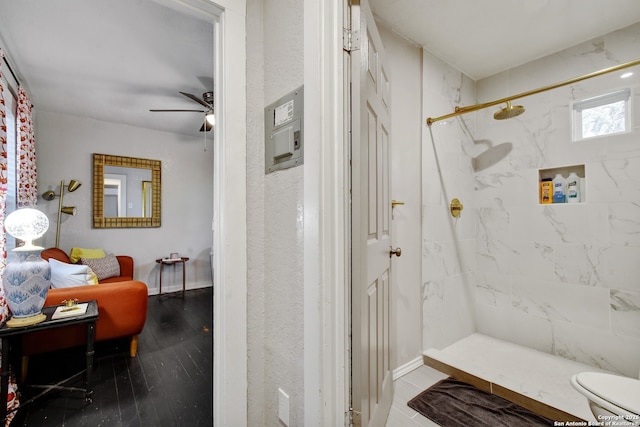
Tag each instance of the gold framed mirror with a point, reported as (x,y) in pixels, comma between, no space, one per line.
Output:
(126,192)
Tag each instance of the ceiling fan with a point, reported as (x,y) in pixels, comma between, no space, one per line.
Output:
(207,102)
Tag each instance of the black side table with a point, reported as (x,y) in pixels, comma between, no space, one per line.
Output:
(7,335)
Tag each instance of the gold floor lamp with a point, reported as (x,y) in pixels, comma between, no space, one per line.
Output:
(69,210)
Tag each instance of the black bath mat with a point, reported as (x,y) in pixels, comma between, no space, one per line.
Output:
(453,403)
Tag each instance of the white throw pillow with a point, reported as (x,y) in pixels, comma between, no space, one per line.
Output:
(65,275)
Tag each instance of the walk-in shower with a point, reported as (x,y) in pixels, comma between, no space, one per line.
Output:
(557,281)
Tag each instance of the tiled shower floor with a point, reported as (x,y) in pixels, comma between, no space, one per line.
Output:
(535,374)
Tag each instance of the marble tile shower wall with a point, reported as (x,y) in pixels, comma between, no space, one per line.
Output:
(448,246)
(564,279)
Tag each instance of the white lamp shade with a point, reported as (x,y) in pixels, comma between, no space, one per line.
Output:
(211,119)
(26,224)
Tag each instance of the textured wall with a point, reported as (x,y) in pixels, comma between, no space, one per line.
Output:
(65,145)
(275,216)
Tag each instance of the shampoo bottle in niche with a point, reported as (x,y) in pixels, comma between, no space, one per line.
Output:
(546,191)
(559,188)
(573,188)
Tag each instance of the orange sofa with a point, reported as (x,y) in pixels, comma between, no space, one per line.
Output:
(126,264)
(122,310)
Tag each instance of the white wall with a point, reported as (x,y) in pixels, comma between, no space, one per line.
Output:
(405,73)
(275,219)
(64,146)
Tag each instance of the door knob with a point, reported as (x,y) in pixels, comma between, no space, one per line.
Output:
(396,252)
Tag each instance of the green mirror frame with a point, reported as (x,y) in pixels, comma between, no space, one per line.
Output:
(99,220)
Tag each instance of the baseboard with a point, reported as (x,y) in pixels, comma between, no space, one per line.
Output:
(510,395)
(178,288)
(403,370)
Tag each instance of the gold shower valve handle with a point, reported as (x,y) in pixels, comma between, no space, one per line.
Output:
(456,208)
(395,203)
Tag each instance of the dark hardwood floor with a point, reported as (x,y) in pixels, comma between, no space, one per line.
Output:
(169,383)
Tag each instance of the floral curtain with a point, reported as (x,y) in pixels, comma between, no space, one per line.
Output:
(12,399)
(3,188)
(26,153)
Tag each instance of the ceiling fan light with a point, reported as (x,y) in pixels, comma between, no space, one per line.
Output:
(211,119)
(206,127)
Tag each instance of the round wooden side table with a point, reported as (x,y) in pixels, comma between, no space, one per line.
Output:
(173,261)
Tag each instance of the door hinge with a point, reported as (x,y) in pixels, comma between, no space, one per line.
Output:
(354,418)
(350,40)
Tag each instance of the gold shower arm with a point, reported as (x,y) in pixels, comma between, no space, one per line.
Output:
(463,110)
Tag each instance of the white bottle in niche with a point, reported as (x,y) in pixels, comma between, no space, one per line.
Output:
(573,188)
(559,189)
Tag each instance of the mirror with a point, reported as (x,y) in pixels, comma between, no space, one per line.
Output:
(126,192)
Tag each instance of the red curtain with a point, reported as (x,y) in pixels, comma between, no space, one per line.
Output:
(4,310)
(26,153)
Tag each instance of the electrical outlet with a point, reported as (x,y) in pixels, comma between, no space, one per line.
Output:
(283,407)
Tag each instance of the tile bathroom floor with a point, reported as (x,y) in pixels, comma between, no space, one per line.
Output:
(406,388)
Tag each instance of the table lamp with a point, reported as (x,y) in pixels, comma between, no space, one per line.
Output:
(27,277)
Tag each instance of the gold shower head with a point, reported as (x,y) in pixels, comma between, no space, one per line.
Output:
(508,112)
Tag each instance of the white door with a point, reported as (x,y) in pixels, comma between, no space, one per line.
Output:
(372,379)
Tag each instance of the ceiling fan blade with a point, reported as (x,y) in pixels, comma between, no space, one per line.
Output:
(195,98)
(173,111)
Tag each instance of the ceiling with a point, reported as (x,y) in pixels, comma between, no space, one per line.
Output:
(113,60)
(485,37)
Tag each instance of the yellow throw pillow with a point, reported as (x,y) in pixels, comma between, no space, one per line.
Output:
(77,253)
(93,277)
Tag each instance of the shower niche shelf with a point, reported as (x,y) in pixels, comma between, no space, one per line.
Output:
(565,171)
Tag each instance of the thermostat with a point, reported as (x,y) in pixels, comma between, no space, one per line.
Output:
(284,131)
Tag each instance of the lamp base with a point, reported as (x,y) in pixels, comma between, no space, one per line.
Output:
(25,282)
(16,322)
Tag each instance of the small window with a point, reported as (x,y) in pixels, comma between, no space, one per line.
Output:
(602,115)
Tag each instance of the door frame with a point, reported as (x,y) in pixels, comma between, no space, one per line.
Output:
(229,222)
(229,215)
(326,216)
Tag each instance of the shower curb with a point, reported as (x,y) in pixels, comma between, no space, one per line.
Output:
(510,395)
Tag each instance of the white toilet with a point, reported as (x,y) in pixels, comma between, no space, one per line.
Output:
(611,397)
